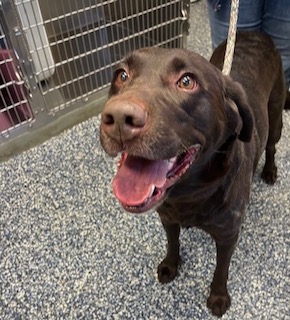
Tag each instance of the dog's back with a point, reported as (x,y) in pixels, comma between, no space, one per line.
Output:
(257,66)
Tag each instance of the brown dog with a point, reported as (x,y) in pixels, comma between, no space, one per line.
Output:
(190,140)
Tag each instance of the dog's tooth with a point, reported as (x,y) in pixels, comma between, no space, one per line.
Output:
(171,163)
(152,191)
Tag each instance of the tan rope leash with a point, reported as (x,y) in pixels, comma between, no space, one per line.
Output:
(228,60)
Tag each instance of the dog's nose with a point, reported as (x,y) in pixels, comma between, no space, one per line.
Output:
(123,120)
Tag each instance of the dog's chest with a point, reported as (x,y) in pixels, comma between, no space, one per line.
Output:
(188,213)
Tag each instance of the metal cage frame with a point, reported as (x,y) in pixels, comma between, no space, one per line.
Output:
(57,56)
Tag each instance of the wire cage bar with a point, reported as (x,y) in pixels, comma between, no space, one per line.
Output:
(61,52)
(14,105)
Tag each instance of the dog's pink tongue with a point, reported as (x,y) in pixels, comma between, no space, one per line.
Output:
(136,178)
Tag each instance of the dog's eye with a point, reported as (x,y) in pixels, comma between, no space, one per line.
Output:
(122,77)
(187,82)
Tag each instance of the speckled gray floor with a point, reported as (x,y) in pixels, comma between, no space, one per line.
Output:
(67,251)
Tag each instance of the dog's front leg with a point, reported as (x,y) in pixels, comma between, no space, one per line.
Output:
(167,269)
(219,300)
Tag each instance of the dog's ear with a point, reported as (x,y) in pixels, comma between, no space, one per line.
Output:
(234,92)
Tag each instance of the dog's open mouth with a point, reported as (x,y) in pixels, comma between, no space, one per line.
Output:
(140,184)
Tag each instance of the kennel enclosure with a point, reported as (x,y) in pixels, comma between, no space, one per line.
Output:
(57,57)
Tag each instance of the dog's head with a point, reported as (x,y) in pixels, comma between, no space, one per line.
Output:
(168,109)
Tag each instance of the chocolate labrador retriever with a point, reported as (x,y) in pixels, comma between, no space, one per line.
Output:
(190,139)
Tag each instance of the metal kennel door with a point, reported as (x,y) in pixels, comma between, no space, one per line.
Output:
(56,56)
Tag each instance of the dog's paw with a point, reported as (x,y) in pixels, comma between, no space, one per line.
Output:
(218,304)
(166,271)
(269,176)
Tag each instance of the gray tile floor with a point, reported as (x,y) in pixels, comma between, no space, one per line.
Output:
(67,251)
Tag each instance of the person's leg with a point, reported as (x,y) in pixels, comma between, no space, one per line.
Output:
(249,18)
(276,23)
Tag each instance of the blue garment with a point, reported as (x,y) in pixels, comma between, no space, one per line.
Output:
(269,16)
